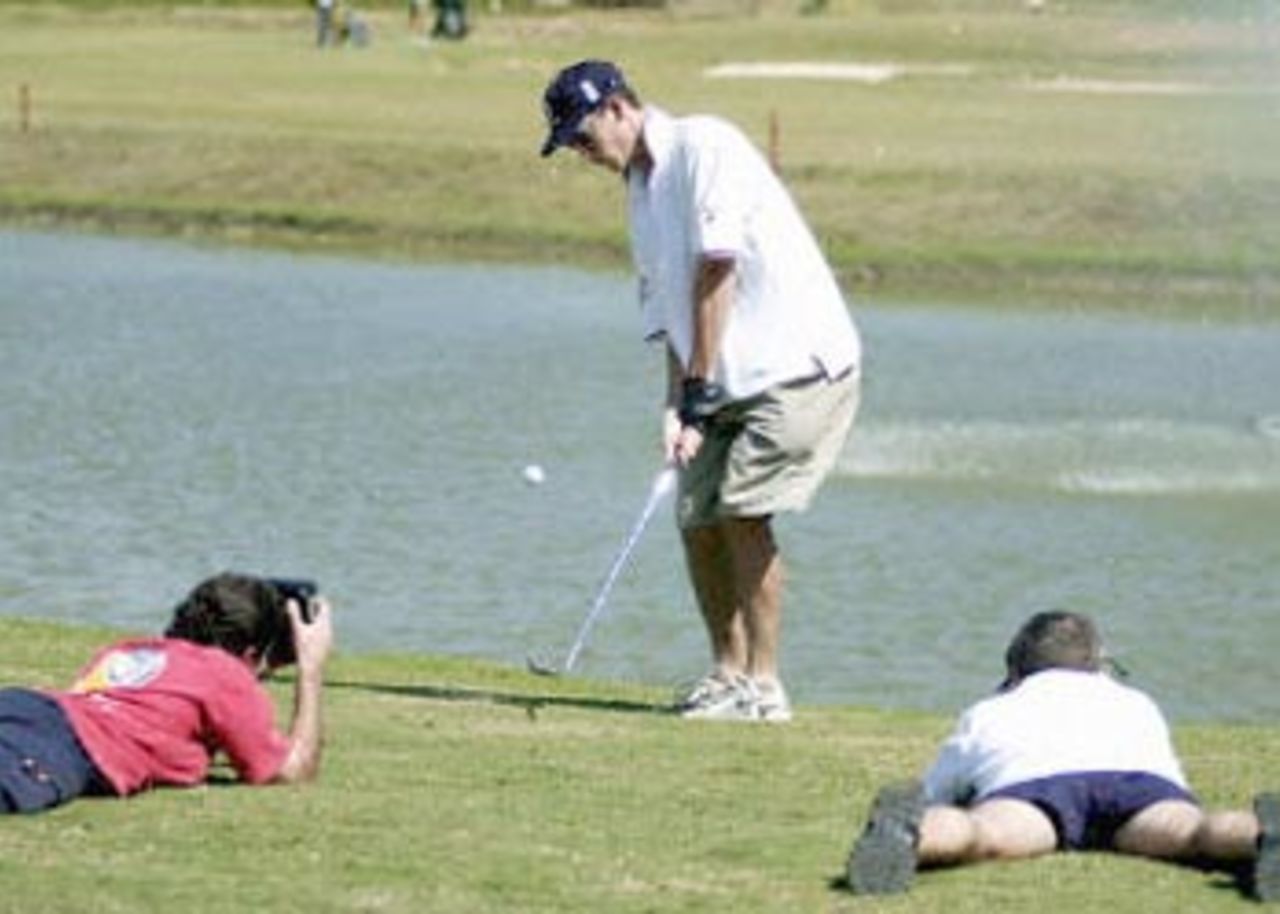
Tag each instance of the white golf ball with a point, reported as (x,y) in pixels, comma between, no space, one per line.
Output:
(534,475)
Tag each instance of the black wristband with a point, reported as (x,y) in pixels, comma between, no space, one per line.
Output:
(699,400)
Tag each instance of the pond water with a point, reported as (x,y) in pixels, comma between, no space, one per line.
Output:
(169,411)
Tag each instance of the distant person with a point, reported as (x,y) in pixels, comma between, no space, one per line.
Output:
(451,20)
(1062,758)
(353,30)
(417,17)
(324,23)
(148,712)
(762,356)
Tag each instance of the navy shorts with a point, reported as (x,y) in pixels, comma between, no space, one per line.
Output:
(1088,809)
(42,763)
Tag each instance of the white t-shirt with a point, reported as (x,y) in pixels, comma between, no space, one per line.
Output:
(711,193)
(1053,722)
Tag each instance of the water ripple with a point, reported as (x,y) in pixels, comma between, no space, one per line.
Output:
(1133,456)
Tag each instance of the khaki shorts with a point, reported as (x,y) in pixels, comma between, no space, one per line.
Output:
(769,453)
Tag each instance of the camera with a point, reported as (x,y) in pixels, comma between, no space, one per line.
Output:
(299,589)
(281,651)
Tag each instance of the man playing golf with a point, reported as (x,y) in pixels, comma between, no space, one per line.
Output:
(763,357)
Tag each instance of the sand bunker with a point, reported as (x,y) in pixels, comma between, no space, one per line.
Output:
(879,73)
(1117,87)
(869,73)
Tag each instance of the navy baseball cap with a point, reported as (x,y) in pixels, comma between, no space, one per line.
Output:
(577,91)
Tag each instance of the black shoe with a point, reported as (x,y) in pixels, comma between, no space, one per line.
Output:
(1266,869)
(883,859)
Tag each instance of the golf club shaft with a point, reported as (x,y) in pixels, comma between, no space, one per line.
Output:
(661,486)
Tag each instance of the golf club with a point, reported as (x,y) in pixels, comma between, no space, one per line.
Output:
(662,484)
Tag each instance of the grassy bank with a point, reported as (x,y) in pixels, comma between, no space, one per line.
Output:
(1095,155)
(453,786)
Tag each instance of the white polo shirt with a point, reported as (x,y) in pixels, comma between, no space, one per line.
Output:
(1053,722)
(711,194)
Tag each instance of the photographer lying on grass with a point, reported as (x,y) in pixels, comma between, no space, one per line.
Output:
(147,712)
(1063,757)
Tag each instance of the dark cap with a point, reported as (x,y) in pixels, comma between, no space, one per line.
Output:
(577,91)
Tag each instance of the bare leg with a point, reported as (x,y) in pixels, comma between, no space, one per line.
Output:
(1000,829)
(711,572)
(1177,830)
(757,583)
(903,836)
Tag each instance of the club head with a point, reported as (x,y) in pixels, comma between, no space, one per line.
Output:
(540,667)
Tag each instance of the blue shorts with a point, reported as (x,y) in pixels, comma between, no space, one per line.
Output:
(1088,809)
(42,763)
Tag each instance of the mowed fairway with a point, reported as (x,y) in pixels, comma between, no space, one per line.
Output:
(457,787)
(1092,155)
(1148,181)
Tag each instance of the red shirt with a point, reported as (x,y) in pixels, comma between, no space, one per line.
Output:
(154,711)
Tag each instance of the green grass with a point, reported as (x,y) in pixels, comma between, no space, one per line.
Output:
(455,786)
(224,123)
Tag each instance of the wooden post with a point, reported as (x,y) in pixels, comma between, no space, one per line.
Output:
(775,156)
(24,108)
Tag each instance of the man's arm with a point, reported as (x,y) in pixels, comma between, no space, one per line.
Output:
(313,641)
(671,409)
(712,301)
(713,289)
(950,779)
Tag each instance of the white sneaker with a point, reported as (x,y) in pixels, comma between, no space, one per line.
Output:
(705,689)
(716,698)
(771,703)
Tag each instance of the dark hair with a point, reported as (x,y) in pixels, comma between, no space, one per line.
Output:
(626,92)
(234,612)
(1054,640)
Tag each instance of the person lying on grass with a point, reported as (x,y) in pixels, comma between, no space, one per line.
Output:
(147,712)
(1063,757)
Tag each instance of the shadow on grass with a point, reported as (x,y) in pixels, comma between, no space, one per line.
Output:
(530,703)
(1235,880)
(1239,883)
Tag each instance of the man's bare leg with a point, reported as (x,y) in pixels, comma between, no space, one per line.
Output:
(712,575)
(1001,829)
(902,836)
(1179,830)
(757,583)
